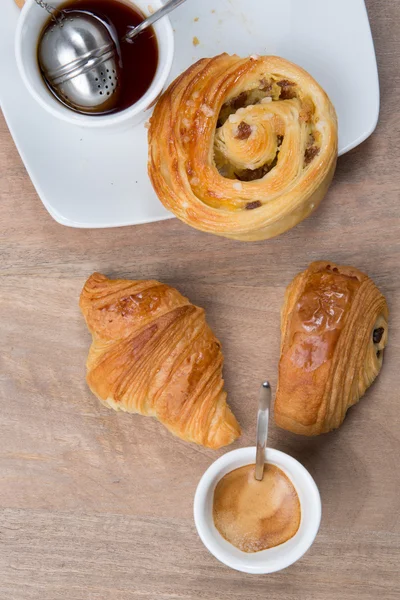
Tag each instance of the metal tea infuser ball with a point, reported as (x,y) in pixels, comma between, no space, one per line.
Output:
(79,56)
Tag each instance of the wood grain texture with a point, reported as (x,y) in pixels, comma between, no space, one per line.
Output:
(97,505)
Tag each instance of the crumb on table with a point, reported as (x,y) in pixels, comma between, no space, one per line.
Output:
(196,41)
(196,19)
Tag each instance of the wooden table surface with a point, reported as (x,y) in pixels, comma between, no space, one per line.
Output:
(96,505)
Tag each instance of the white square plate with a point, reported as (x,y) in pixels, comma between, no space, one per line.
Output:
(89,178)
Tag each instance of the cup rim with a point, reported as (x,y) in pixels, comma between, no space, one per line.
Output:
(235,558)
(163,30)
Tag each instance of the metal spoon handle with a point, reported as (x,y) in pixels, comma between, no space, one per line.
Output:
(161,12)
(264,404)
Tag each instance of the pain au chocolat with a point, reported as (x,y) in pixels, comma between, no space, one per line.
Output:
(153,353)
(243,147)
(334,329)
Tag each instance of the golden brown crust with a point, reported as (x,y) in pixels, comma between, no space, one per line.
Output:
(243,147)
(334,329)
(154,354)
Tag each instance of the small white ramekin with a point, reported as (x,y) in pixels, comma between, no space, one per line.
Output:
(30,25)
(273,559)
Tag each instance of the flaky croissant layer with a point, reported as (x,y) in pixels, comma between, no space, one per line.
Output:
(243,147)
(153,353)
(334,330)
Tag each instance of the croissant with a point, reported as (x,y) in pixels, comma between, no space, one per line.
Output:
(242,147)
(153,353)
(334,329)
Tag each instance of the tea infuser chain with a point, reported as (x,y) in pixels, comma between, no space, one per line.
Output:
(57,15)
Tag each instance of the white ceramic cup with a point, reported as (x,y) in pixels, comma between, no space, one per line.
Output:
(273,559)
(30,25)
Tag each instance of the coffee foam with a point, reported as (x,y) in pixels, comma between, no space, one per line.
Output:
(256,515)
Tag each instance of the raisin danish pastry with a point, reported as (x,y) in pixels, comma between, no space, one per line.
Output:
(243,147)
(334,329)
(154,354)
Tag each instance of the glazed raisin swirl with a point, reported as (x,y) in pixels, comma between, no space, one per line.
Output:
(244,148)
